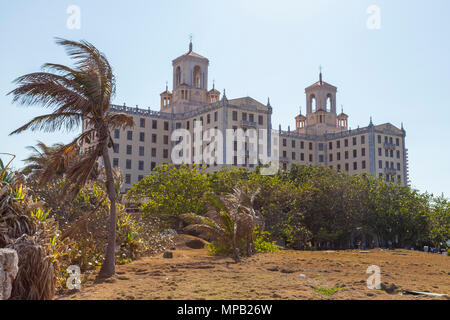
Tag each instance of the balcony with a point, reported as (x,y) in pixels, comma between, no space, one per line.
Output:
(248,124)
(391,171)
(389,146)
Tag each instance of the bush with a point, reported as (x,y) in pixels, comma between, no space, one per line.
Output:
(262,243)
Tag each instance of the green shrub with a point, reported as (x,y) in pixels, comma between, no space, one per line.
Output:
(262,243)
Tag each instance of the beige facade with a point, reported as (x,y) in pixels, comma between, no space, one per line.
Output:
(321,137)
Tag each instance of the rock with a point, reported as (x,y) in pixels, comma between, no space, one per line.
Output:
(9,267)
(195,244)
(168,255)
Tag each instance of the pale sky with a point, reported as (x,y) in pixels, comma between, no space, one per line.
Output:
(260,48)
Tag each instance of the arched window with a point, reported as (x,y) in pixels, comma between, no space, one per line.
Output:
(197,77)
(313,102)
(178,76)
(329,102)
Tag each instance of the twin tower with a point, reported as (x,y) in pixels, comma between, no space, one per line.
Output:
(190,92)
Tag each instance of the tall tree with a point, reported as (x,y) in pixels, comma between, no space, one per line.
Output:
(81,93)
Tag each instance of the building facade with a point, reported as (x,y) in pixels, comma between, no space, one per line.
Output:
(321,136)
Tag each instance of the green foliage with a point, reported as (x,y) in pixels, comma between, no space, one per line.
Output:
(171,191)
(327,291)
(262,242)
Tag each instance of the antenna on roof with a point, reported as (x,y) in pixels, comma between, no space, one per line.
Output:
(190,42)
(320,74)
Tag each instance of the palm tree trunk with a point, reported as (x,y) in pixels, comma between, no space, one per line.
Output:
(108,268)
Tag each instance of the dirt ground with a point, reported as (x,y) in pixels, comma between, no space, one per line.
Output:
(294,275)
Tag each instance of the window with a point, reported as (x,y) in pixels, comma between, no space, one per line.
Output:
(115,162)
(363,152)
(152,166)
(302,145)
(346,142)
(321,158)
(142,136)
(398,154)
(208,119)
(260,120)
(398,166)
(346,154)
(128,164)
(284,154)
(380,164)
(293,155)
(391,153)
(166,139)
(379,139)
(338,155)
(293,143)
(354,141)
(355,153)
(364,164)
(386,153)
(330,146)
(129,135)
(141,165)
(116,134)
(187,125)
(331,157)
(355,165)
(129,149)
(363,139)
(153,152)
(166,125)
(140,178)
(251,117)
(141,151)
(379,152)
(346,167)
(154,124)
(116,148)
(310,158)
(165,153)
(128,178)
(235,115)
(142,122)
(338,167)
(178,125)
(310,146)
(338,144)
(397,142)
(153,138)
(284,142)
(216,116)
(244,116)
(302,156)
(320,146)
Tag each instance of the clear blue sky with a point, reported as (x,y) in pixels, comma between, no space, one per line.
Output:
(399,73)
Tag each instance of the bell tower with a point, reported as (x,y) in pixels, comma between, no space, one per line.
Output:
(321,116)
(190,81)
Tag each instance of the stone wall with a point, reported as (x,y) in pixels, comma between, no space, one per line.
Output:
(9,262)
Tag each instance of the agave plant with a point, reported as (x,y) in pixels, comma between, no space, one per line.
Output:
(5,174)
(229,219)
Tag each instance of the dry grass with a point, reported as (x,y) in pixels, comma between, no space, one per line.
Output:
(193,274)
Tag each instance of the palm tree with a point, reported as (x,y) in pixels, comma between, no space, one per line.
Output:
(38,163)
(81,93)
(229,219)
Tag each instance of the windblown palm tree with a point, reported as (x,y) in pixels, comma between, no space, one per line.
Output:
(43,164)
(229,219)
(83,92)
